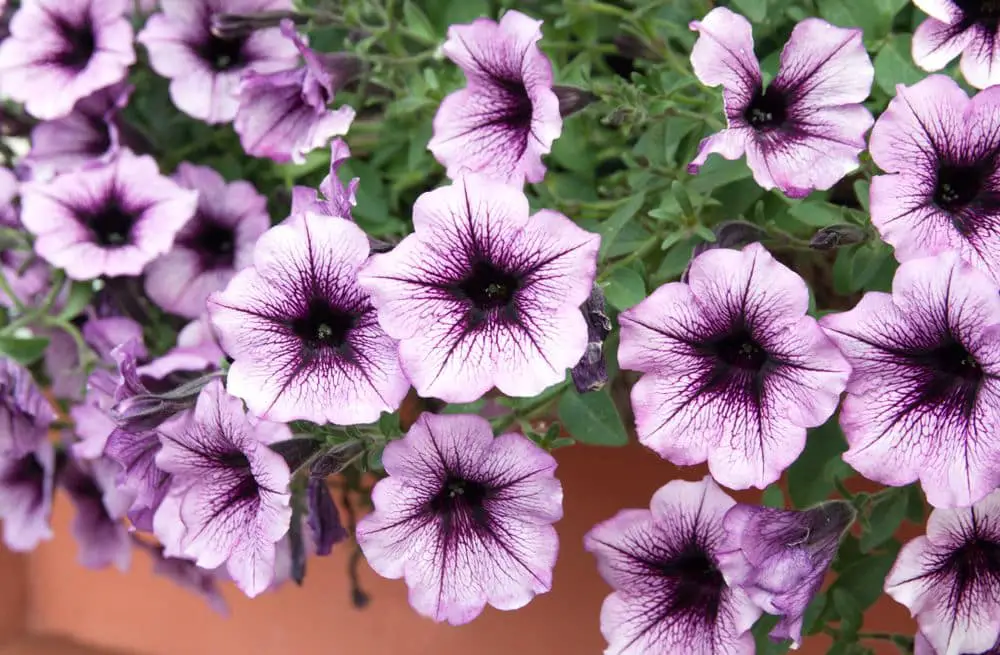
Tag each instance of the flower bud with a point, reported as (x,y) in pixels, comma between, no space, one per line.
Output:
(591,373)
(572,99)
(837,236)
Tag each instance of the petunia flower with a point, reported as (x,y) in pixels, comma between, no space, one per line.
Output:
(61,51)
(663,563)
(507,116)
(92,420)
(26,483)
(204,70)
(25,413)
(185,573)
(303,333)
(941,151)
(465,518)
(970,28)
(209,249)
(284,115)
(111,220)
(948,578)
(333,199)
(484,295)
(100,534)
(780,557)
(923,400)
(735,369)
(923,647)
(229,499)
(805,130)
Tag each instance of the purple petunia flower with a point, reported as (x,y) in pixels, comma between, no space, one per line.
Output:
(61,51)
(92,420)
(333,199)
(112,220)
(26,483)
(25,413)
(204,70)
(229,499)
(507,116)
(197,351)
(942,152)
(29,278)
(779,557)
(663,563)
(284,115)
(735,368)
(186,574)
(101,535)
(482,295)
(302,331)
(923,647)
(923,400)
(967,27)
(949,578)
(106,334)
(209,249)
(807,128)
(465,518)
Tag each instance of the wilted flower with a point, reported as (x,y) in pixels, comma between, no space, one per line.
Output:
(591,372)
(940,150)
(302,331)
(966,27)
(923,400)
(26,496)
(61,51)
(837,236)
(333,199)
(100,505)
(324,519)
(25,413)
(465,518)
(484,295)
(204,70)
(507,116)
(736,370)
(663,563)
(187,574)
(228,500)
(111,220)
(807,128)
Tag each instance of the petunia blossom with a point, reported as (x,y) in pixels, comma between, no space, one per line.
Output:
(205,70)
(464,517)
(302,331)
(949,577)
(805,130)
(970,28)
(25,413)
(112,220)
(663,563)
(334,198)
(484,295)
(941,152)
(101,536)
(507,116)
(923,400)
(186,574)
(229,498)
(210,248)
(61,51)
(26,482)
(735,369)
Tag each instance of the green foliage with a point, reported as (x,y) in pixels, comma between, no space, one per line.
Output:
(592,418)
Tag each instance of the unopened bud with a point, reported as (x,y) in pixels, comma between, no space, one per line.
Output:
(591,373)
(837,236)
(335,459)
(324,519)
(240,26)
(572,99)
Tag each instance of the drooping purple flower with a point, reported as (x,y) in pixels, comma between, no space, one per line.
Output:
(197,351)
(204,70)
(26,496)
(465,518)
(970,28)
(92,420)
(106,334)
(735,369)
(484,295)
(185,573)
(229,499)
(923,400)
(28,277)
(60,52)
(663,563)
(324,519)
(111,220)
(807,128)
(949,578)
(941,151)
(209,249)
(779,557)
(507,116)
(25,413)
(100,534)
(303,332)
(333,199)
(284,115)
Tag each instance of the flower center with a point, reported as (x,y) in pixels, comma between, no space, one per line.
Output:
(980,11)
(223,54)
(518,103)
(215,243)
(80,44)
(957,363)
(767,109)
(460,498)
(323,326)
(975,565)
(957,186)
(112,225)
(26,471)
(698,583)
(489,287)
(739,350)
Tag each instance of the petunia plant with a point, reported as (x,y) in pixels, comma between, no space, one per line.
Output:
(280,278)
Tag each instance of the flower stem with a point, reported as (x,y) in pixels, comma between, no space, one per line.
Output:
(640,252)
(9,291)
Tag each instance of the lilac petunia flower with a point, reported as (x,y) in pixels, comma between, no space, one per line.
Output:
(942,152)
(465,518)
(923,647)
(25,413)
(482,295)
(923,400)
(780,557)
(807,128)
(197,352)
(185,573)
(204,70)
(10,187)
(92,420)
(61,51)
(663,563)
(112,220)
(507,116)
(29,278)
(333,199)
(967,27)
(229,499)
(26,496)
(736,371)
(100,505)
(284,115)
(215,244)
(106,334)
(302,331)
(948,579)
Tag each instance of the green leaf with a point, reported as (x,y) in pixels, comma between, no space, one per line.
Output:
(915,506)
(864,578)
(890,8)
(862,189)
(856,13)
(592,418)
(760,632)
(717,172)
(806,483)
(894,64)
(79,297)
(24,351)
(773,497)
(465,11)
(755,10)
(850,613)
(388,425)
(887,511)
(417,20)
(610,228)
(865,264)
(625,289)
(810,623)
(464,408)
(817,214)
